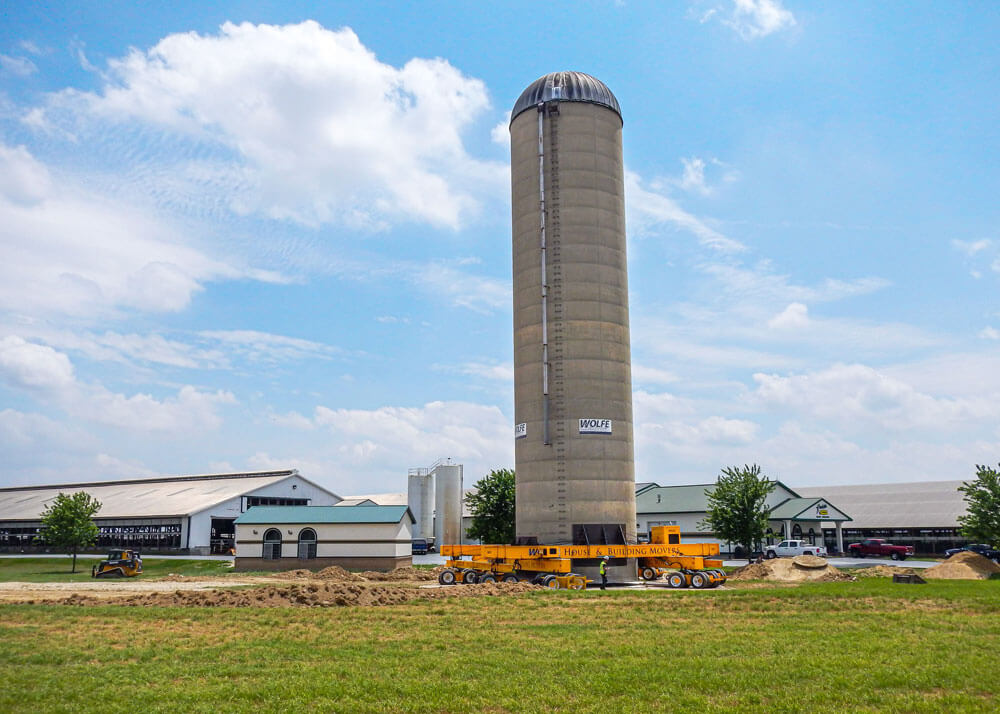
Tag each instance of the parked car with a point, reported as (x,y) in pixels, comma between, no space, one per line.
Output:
(981,548)
(791,548)
(877,546)
(420,547)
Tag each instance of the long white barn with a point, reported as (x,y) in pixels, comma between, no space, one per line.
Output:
(170,514)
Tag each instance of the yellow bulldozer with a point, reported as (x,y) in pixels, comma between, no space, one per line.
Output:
(119,564)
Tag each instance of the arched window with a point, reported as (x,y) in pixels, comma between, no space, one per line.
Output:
(307,544)
(272,544)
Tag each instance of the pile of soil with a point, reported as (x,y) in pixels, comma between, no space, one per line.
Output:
(965,565)
(315,594)
(799,569)
(339,575)
(884,571)
(400,574)
(333,574)
(810,561)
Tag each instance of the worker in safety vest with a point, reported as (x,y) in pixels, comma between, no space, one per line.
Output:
(604,571)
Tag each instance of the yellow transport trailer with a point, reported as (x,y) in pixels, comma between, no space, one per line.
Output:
(681,564)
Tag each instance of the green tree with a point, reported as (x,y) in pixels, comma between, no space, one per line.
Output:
(67,522)
(981,523)
(736,510)
(492,506)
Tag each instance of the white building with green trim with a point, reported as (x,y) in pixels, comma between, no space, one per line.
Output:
(814,519)
(359,537)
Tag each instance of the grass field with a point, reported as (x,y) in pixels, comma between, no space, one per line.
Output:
(57,570)
(864,646)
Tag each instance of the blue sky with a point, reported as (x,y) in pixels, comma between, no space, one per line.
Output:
(272,235)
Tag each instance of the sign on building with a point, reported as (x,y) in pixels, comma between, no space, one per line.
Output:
(595,426)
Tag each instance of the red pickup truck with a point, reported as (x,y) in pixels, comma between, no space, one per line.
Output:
(877,546)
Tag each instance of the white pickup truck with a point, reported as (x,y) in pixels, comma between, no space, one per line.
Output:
(789,548)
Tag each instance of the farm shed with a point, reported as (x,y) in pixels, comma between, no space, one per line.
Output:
(166,514)
(358,537)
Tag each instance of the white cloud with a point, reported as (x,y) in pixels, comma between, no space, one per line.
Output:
(69,250)
(642,374)
(793,317)
(971,248)
(497,372)
(758,18)
(694,176)
(323,131)
(761,282)
(649,208)
(856,396)
(49,376)
(23,179)
(989,333)
(127,348)
(371,449)
(34,368)
(114,467)
(500,134)
(266,347)
(189,411)
(475,292)
(18,66)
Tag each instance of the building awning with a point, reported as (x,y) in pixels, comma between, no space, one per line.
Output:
(807,509)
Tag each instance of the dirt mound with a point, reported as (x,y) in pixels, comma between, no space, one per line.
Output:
(783,570)
(809,561)
(300,574)
(337,574)
(965,565)
(400,574)
(883,571)
(314,594)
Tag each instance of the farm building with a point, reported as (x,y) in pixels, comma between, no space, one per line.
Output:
(922,514)
(814,519)
(170,514)
(359,537)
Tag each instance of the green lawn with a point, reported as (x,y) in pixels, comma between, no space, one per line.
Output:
(858,646)
(57,570)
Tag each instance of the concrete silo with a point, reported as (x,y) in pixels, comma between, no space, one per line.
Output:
(572,361)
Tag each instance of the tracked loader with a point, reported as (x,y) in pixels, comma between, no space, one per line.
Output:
(119,564)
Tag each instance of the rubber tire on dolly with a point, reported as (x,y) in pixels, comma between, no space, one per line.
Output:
(549,581)
(699,581)
(487,578)
(510,578)
(447,577)
(677,580)
(580,584)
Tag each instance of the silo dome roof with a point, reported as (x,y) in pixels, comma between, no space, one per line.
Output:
(566,87)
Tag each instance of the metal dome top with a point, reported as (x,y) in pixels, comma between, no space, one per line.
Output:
(566,87)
